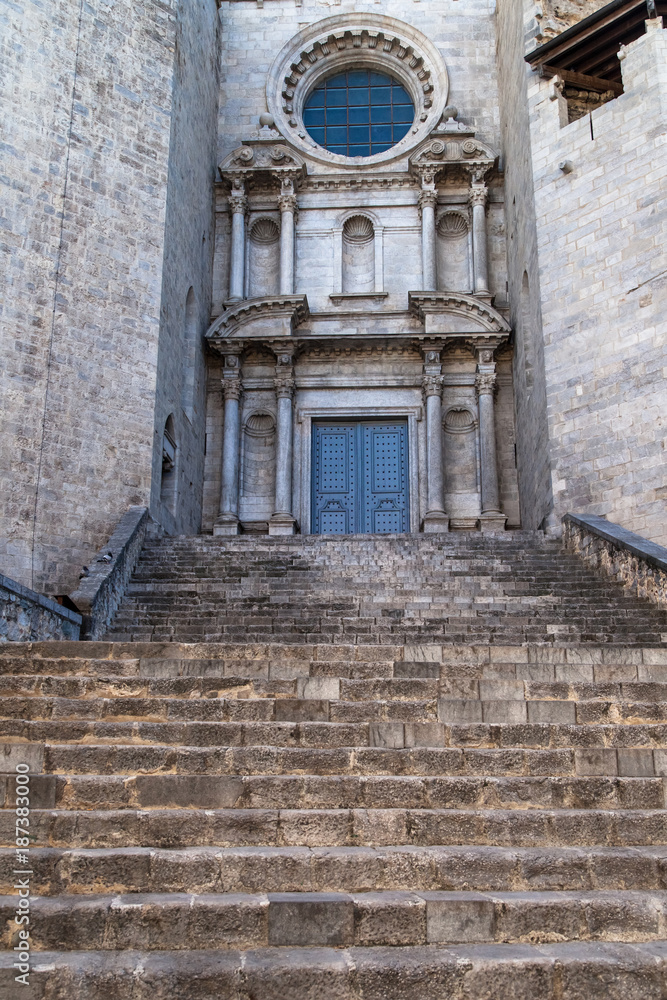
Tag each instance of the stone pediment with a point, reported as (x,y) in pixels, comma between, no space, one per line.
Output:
(271,317)
(456,313)
(450,149)
(269,153)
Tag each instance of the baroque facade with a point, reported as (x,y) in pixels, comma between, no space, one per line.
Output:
(313,266)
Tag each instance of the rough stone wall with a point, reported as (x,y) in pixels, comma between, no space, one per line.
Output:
(188,254)
(86,96)
(602,237)
(517,29)
(554,16)
(29,617)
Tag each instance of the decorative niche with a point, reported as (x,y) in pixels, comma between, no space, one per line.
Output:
(263,258)
(258,468)
(461,462)
(453,252)
(358,271)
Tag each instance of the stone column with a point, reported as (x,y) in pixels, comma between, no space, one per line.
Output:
(238,205)
(435,518)
(227,521)
(428,199)
(492,518)
(288,207)
(282,521)
(478,195)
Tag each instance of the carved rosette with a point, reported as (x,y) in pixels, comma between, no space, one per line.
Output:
(485,383)
(432,385)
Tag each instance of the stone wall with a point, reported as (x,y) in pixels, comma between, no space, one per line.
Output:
(86,99)
(602,249)
(517,30)
(26,616)
(624,556)
(187,266)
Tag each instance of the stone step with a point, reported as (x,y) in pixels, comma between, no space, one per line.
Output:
(338,869)
(133,758)
(391,734)
(182,921)
(595,970)
(303,792)
(177,828)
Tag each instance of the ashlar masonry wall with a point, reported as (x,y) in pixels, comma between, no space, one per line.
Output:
(87,99)
(602,250)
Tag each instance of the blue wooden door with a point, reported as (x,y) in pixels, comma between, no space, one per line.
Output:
(360,477)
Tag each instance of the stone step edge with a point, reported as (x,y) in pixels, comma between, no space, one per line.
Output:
(574,653)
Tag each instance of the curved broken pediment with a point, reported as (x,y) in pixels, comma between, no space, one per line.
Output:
(266,154)
(273,316)
(456,313)
(438,152)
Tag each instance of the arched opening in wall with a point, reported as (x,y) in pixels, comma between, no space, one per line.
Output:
(264,258)
(460,462)
(358,255)
(189,354)
(453,257)
(169,480)
(258,475)
(527,334)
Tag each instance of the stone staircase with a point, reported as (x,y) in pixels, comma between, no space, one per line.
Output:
(515,587)
(354,815)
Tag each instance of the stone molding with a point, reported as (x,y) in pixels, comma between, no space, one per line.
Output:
(273,316)
(357,39)
(622,555)
(456,313)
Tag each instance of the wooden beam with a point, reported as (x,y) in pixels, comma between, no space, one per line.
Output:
(581,80)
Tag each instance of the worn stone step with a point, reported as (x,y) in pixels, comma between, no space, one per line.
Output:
(230,791)
(391,734)
(175,828)
(333,869)
(131,758)
(182,921)
(596,971)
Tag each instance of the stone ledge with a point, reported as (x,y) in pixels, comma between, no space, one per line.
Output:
(618,553)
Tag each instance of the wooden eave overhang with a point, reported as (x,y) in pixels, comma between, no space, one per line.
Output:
(586,55)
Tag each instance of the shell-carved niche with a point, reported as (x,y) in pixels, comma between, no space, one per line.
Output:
(453,252)
(259,465)
(460,461)
(358,255)
(264,258)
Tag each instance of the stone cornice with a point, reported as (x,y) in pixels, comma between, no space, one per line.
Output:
(455,313)
(273,316)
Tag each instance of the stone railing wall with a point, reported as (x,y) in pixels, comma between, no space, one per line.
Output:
(26,616)
(99,594)
(622,555)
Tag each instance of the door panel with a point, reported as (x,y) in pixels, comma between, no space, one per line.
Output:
(360,477)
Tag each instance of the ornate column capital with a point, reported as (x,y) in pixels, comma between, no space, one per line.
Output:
(432,385)
(287,200)
(427,198)
(478,194)
(232,386)
(283,379)
(238,203)
(485,383)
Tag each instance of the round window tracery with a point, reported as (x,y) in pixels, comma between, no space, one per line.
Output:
(358,113)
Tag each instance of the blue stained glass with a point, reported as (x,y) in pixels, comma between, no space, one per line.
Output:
(359,116)
(313,116)
(338,112)
(335,116)
(381,115)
